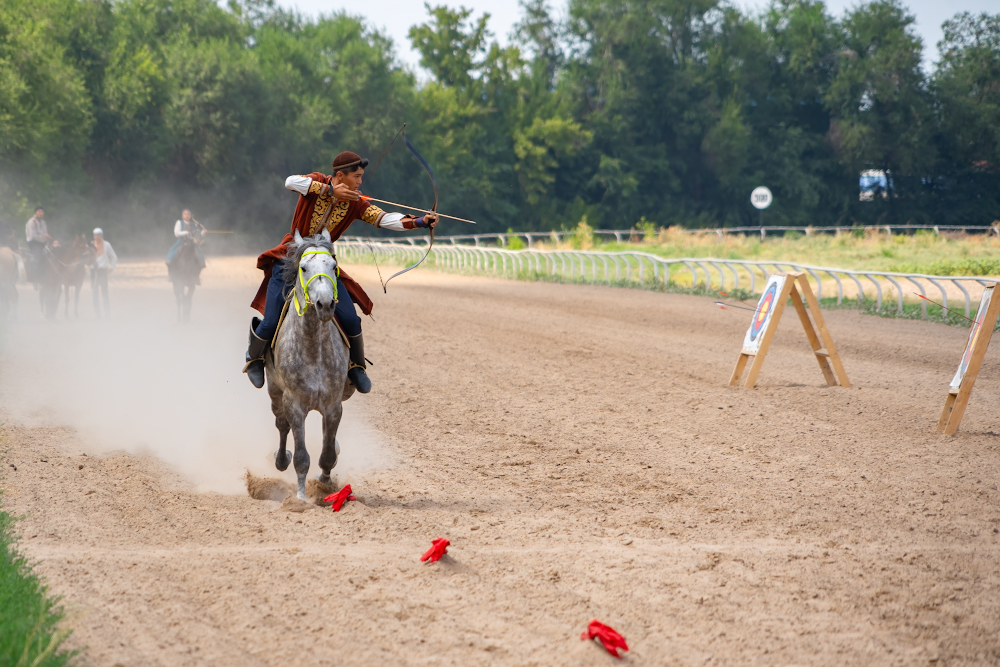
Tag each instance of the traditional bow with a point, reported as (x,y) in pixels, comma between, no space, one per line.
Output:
(430,173)
(430,230)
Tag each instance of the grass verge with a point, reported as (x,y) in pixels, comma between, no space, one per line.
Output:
(30,635)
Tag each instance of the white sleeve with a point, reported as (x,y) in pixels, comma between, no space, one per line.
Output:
(112,256)
(393,221)
(179,230)
(31,230)
(298,184)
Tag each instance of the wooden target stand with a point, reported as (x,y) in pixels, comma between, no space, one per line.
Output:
(972,359)
(758,338)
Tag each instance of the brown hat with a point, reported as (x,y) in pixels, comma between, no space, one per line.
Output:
(346,160)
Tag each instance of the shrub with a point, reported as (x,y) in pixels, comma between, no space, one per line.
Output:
(583,237)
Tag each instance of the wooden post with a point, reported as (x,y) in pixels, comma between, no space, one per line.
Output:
(975,349)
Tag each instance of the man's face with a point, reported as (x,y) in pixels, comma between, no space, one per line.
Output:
(98,238)
(40,214)
(186,215)
(353,179)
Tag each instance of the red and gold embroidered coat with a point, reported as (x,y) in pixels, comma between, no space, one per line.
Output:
(309,213)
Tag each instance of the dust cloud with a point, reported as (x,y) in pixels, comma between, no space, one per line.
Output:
(145,384)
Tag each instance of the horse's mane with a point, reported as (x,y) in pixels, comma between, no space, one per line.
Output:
(293,257)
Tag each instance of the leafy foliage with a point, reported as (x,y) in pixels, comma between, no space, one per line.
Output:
(124,111)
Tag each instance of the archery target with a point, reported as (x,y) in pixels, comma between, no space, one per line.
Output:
(762,315)
(970,346)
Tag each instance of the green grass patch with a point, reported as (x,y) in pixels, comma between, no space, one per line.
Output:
(861,249)
(30,635)
(969,266)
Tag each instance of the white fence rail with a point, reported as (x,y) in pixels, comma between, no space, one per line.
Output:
(620,235)
(645,269)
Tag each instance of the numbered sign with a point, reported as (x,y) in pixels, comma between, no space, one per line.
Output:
(761,198)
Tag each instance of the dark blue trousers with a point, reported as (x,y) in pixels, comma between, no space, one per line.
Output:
(276,294)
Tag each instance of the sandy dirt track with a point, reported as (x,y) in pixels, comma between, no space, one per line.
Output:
(580,449)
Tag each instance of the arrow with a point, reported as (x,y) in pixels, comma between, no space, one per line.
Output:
(414,208)
(945,307)
(729,305)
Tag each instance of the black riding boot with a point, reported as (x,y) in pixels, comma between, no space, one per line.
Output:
(255,356)
(356,374)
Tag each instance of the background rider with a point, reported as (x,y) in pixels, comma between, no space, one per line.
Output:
(187,227)
(38,236)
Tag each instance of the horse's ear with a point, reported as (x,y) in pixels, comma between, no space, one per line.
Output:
(326,236)
(298,237)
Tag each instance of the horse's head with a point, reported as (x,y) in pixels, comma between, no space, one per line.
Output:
(82,245)
(314,273)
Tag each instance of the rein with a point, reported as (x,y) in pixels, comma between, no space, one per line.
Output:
(301,310)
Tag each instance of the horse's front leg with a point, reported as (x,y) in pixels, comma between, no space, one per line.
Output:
(281,457)
(331,449)
(297,422)
(76,301)
(66,298)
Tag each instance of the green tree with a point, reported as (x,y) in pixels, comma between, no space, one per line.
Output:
(45,110)
(882,116)
(967,88)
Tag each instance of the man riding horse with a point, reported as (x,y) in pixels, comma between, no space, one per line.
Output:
(331,203)
(187,228)
(38,237)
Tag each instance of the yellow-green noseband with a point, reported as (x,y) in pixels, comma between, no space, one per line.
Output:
(301,310)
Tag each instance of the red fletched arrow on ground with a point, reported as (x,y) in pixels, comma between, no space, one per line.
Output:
(439,548)
(609,638)
(340,497)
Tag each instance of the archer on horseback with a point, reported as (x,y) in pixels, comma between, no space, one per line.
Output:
(187,229)
(331,203)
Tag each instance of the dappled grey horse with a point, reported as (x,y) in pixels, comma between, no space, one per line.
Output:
(307,369)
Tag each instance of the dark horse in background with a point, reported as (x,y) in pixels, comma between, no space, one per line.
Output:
(63,267)
(185,274)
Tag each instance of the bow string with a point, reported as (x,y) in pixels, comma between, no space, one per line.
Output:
(430,230)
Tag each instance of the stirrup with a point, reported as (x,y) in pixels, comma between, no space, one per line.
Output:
(252,361)
(364,384)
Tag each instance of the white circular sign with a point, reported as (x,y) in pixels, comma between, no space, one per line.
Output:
(761,197)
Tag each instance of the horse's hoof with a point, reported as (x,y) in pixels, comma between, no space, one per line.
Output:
(282,463)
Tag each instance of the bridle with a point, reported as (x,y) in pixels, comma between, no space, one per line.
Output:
(301,310)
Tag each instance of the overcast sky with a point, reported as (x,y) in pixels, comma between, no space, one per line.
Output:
(396,16)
